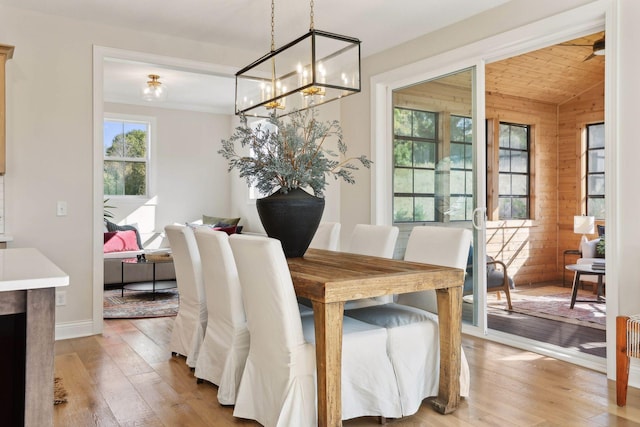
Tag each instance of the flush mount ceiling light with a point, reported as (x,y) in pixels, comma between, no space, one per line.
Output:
(314,69)
(154,90)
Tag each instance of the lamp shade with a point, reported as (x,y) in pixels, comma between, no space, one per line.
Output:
(314,69)
(584,224)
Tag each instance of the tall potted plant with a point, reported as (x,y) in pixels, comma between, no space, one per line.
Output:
(286,158)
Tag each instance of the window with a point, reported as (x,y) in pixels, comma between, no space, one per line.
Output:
(126,157)
(414,161)
(461,201)
(513,171)
(595,170)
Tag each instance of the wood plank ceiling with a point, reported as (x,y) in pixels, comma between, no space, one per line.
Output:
(554,75)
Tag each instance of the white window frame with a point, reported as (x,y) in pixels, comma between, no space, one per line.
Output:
(151,143)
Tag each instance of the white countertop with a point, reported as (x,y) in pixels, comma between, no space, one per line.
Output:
(28,268)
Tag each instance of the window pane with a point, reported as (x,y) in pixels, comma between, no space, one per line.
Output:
(458,209)
(424,181)
(504,135)
(468,157)
(113,136)
(519,208)
(424,124)
(424,154)
(519,185)
(135,140)
(457,128)
(457,155)
(596,161)
(402,122)
(402,152)
(469,177)
(504,207)
(469,208)
(596,207)
(458,182)
(113,178)
(402,209)
(135,179)
(518,137)
(505,161)
(403,181)
(595,185)
(424,210)
(519,161)
(596,136)
(504,184)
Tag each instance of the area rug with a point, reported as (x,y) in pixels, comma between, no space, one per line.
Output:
(557,307)
(135,305)
(59,392)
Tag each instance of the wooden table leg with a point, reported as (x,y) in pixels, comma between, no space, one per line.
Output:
(450,326)
(328,326)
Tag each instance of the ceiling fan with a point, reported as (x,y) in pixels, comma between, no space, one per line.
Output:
(598,48)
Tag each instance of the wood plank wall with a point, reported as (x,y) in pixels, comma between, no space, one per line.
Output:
(574,115)
(529,247)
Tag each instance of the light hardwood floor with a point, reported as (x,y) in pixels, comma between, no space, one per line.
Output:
(126,377)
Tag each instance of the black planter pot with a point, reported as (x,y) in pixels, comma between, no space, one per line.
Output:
(292,218)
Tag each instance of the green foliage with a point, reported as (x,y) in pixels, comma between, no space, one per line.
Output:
(293,156)
(126,177)
(600,247)
(107,214)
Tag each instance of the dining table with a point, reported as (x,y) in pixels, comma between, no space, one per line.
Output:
(331,278)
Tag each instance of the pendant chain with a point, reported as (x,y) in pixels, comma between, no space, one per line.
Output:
(312,24)
(273,25)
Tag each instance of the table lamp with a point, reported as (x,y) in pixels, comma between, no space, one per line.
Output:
(584,224)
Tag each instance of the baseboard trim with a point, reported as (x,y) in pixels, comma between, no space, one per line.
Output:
(66,330)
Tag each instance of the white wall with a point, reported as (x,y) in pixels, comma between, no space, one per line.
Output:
(50,137)
(189,177)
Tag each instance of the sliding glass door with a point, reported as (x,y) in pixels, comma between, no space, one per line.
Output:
(437,153)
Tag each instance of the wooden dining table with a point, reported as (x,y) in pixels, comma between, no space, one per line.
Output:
(330,278)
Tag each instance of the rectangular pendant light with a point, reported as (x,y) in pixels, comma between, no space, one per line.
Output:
(317,68)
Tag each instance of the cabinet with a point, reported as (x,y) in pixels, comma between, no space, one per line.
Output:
(6,52)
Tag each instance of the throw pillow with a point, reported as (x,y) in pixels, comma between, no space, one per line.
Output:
(108,235)
(229,230)
(115,227)
(121,241)
(217,220)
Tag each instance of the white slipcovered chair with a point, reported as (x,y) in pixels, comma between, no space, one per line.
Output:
(446,246)
(327,236)
(226,341)
(278,384)
(191,320)
(372,240)
(414,339)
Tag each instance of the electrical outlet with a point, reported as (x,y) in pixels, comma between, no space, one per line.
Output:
(61,298)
